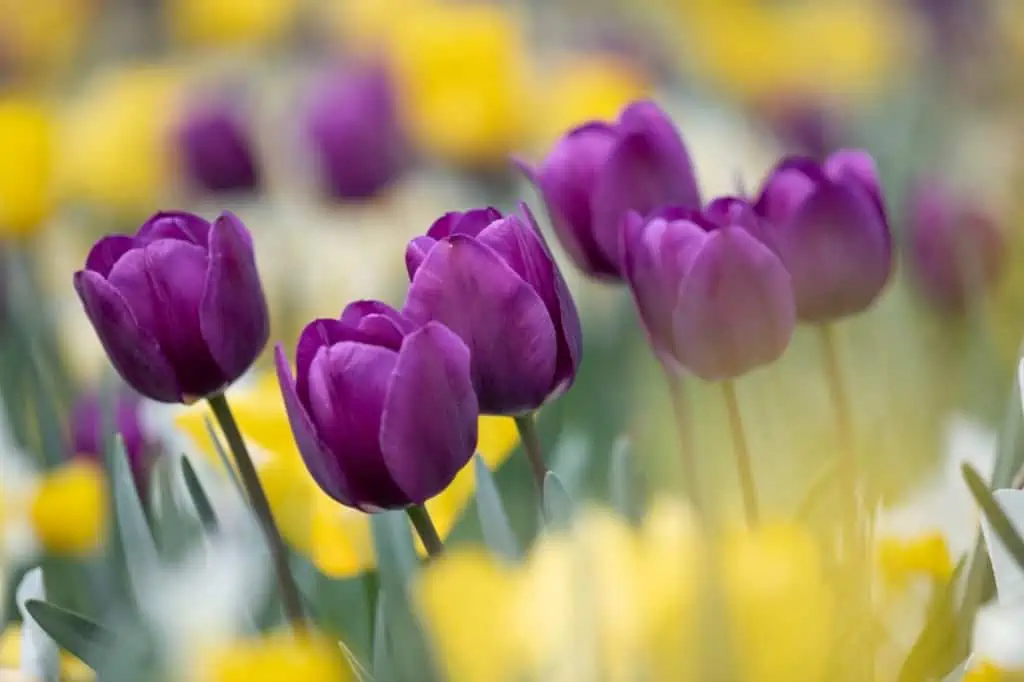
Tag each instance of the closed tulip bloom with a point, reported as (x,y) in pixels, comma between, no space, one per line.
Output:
(491,279)
(830,228)
(354,134)
(956,250)
(383,411)
(179,307)
(89,426)
(599,172)
(713,297)
(215,147)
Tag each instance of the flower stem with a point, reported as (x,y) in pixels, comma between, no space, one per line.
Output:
(744,466)
(686,454)
(424,526)
(258,499)
(527,426)
(841,405)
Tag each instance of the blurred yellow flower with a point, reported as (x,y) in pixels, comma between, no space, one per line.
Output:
(463,75)
(928,555)
(231,22)
(69,509)
(366,25)
(275,657)
(43,36)
(26,165)
(71,668)
(336,538)
(585,88)
(116,148)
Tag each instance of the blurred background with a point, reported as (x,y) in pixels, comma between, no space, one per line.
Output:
(338,129)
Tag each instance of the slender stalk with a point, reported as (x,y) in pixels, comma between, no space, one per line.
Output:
(687,456)
(258,499)
(424,526)
(527,426)
(744,467)
(841,405)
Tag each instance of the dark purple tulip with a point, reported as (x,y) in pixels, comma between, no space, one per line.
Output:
(354,134)
(382,411)
(492,280)
(712,296)
(599,172)
(178,307)
(956,250)
(829,225)
(804,126)
(88,426)
(215,146)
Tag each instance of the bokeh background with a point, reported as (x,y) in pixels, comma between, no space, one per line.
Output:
(338,129)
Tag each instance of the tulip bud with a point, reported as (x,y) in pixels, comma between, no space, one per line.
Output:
(179,307)
(712,296)
(599,172)
(89,430)
(383,412)
(492,281)
(215,147)
(956,251)
(354,134)
(829,226)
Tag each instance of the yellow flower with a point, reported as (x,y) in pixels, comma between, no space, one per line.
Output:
(336,538)
(366,25)
(462,71)
(926,555)
(985,671)
(71,668)
(43,35)
(275,657)
(231,22)
(117,152)
(68,511)
(26,165)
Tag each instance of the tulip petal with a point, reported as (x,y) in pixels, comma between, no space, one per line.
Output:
(785,189)
(466,286)
(107,251)
(175,225)
(854,165)
(416,252)
(133,351)
(348,383)
(648,119)
(379,321)
(320,333)
(233,312)
(474,221)
(442,227)
(323,466)
(736,310)
(429,426)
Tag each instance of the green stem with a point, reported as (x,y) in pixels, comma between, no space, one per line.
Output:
(744,466)
(849,471)
(424,526)
(527,426)
(261,507)
(687,456)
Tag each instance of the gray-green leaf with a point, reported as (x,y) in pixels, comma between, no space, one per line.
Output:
(85,639)
(494,521)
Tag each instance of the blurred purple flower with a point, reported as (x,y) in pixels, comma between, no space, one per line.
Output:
(828,223)
(88,427)
(179,307)
(354,133)
(712,296)
(599,172)
(804,126)
(492,280)
(216,148)
(956,250)
(383,412)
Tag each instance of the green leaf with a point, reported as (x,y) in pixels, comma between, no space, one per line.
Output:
(340,607)
(930,655)
(1001,525)
(381,646)
(558,505)
(140,551)
(396,555)
(622,480)
(494,522)
(175,527)
(201,501)
(226,461)
(73,632)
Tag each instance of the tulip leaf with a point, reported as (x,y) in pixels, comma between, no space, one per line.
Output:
(140,551)
(73,632)
(174,526)
(223,456)
(381,645)
(392,541)
(201,501)
(1001,525)
(623,486)
(494,522)
(558,505)
(338,606)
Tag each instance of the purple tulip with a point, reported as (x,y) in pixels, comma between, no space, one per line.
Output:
(492,281)
(382,411)
(215,146)
(830,228)
(88,427)
(178,307)
(599,172)
(354,134)
(713,297)
(804,126)
(956,250)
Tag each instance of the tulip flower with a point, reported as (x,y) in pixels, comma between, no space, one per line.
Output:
(956,250)
(711,294)
(383,412)
(215,147)
(179,307)
(829,226)
(354,134)
(599,172)
(492,281)
(88,425)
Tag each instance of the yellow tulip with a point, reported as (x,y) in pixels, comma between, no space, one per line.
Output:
(275,657)
(336,538)
(68,511)
(231,22)
(26,165)
(43,36)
